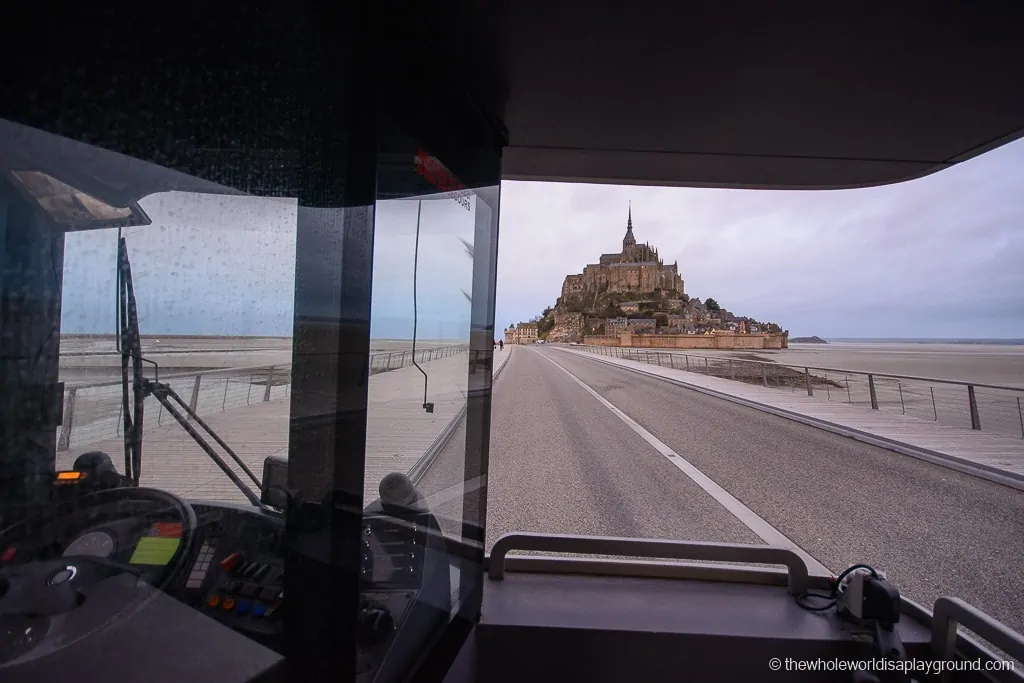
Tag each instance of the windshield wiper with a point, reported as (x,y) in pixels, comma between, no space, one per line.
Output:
(129,343)
(130,346)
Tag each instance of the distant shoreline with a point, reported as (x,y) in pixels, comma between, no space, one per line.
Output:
(239,336)
(830,340)
(924,340)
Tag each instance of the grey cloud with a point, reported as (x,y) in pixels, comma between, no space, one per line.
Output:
(937,256)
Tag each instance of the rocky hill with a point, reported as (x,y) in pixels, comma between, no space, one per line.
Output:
(576,315)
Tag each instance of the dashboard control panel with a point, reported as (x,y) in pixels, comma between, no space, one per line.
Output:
(237,576)
(248,592)
(393,551)
(405,589)
(381,614)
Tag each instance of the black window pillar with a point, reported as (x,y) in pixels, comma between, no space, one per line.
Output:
(31,265)
(331,344)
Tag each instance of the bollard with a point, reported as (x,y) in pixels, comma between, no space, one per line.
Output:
(732,373)
(874,396)
(807,376)
(707,368)
(764,376)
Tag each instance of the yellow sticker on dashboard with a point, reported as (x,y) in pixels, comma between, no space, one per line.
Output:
(154,550)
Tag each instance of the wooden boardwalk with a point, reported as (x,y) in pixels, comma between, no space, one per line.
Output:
(992,456)
(399,431)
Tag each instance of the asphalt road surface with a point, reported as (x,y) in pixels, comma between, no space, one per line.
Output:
(562,461)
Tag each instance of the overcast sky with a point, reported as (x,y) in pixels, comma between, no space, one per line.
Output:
(942,256)
(225,265)
(938,257)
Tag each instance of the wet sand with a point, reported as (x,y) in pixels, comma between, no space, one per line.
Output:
(92,359)
(982,363)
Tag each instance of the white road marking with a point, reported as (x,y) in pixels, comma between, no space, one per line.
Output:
(755,523)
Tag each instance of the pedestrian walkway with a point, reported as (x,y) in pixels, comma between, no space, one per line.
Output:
(990,456)
(399,432)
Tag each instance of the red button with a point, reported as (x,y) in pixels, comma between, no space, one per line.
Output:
(229,562)
(9,554)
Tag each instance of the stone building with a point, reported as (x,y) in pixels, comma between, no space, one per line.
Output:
(523,333)
(615,326)
(637,268)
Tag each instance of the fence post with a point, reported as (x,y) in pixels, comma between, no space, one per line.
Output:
(975,418)
(1020,416)
(903,406)
(732,373)
(764,376)
(270,383)
(224,401)
(194,401)
(871,389)
(64,441)
(810,387)
(936,412)
(707,368)
(687,363)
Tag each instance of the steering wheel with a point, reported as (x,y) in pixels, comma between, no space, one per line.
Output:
(37,591)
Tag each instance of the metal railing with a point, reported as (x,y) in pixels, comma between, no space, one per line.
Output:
(92,412)
(989,407)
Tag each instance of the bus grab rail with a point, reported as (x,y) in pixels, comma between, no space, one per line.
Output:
(948,612)
(797,583)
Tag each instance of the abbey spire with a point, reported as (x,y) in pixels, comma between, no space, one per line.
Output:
(629,240)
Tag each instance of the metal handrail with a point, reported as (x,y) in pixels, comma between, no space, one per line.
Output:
(645,354)
(267,376)
(948,612)
(193,373)
(801,366)
(798,580)
(251,368)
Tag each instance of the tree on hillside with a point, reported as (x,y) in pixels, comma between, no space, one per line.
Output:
(712,305)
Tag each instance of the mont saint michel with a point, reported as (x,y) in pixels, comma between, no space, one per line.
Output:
(633,298)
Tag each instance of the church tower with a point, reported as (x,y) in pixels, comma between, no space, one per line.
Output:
(628,242)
